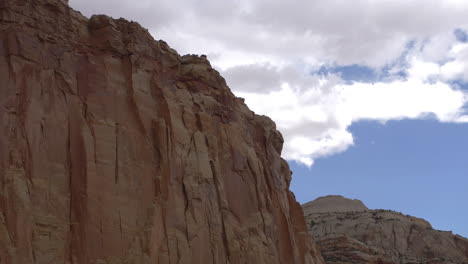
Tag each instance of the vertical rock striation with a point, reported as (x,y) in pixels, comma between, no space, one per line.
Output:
(115,149)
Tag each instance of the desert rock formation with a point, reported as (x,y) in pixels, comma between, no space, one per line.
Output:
(115,149)
(334,203)
(360,235)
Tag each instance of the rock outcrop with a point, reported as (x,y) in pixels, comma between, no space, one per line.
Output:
(334,203)
(115,149)
(360,235)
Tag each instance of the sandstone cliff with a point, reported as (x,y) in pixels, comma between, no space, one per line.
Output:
(115,149)
(360,235)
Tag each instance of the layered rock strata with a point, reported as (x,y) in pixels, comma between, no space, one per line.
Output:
(360,235)
(115,149)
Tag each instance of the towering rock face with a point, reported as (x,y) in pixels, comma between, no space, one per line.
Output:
(115,149)
(359,235)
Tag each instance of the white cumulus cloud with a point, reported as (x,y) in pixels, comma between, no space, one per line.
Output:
(271,53)
(315,120)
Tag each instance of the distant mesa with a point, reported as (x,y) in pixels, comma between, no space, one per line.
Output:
(347,232)
(334,203)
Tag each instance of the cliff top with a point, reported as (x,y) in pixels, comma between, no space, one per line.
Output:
(334,203)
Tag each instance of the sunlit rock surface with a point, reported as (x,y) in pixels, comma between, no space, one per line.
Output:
(115,149)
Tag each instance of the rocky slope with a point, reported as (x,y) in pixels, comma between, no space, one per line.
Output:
(115,149)
(360,235)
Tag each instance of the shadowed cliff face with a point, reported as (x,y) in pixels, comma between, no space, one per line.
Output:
(347,232)
(115,149)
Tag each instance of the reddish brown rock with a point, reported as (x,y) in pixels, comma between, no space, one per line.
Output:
(342,249)
(115,149)
(347,232)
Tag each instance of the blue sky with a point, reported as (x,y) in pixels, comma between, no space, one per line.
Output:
(414,166)
(417,167)
(330,73)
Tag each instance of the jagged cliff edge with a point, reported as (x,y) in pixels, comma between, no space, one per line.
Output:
(115,149)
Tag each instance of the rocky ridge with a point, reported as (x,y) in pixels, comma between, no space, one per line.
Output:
(334,203)
(116,149)
(360,235)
